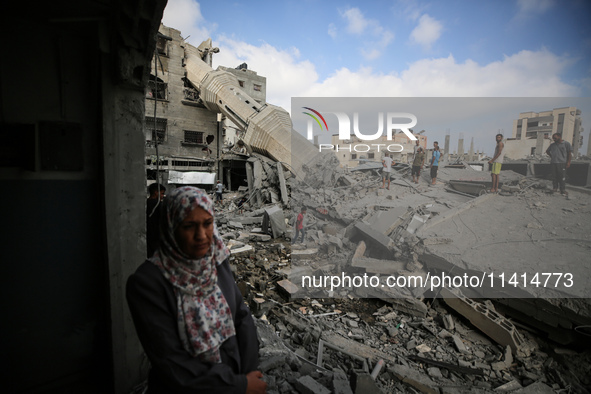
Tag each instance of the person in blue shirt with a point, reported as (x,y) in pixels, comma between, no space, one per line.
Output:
(435,162)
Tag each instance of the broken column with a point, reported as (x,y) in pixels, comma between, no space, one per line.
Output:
(446,149)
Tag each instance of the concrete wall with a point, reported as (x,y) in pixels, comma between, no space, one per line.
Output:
(520,149)
(72,164)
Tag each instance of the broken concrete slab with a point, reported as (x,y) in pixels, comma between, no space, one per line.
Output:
(354,347)
(414,378)
(362,383)
(307,385)
(535,388)
(378,266)
(489,322)
(386,221)
(460,345)
(238,248)
(340,383)
(275,220)
(373,237)
(287,288)
(509,386)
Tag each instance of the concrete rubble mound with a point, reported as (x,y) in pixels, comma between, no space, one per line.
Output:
(412,339)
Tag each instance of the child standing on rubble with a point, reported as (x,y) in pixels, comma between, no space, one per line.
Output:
(299,227)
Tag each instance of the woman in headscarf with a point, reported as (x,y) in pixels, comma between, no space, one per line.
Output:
(188,312)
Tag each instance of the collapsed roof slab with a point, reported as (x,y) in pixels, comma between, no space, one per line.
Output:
(509,234)
(519,248)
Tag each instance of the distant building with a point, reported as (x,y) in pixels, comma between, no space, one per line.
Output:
(532,132)
(351,152)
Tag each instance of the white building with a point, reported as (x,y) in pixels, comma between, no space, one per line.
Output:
(350,152)
(532,131)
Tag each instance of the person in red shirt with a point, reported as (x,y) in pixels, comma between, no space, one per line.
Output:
(299,227)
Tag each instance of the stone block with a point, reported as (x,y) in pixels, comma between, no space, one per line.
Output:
(459,344)
(414,378)
(362,383)
(307,385)
(287,288)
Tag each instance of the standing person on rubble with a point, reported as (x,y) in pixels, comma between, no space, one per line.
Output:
(189,315)
(219,188)
(560,153)
(386,170)
(415,150)
(435,163)
(417,164)
(299,225)
(496,162)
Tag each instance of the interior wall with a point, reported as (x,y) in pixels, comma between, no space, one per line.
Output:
(56,282)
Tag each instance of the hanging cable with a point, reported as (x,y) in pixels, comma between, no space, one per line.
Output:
(155,97)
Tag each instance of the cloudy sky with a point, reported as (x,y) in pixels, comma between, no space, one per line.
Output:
(401,48)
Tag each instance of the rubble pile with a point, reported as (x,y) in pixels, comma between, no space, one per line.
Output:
(440,352)
(402,340)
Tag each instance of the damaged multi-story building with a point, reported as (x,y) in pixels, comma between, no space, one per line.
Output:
(185,142)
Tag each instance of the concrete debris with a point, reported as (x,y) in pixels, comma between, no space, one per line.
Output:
(425,345)
(307,385)
(491,323)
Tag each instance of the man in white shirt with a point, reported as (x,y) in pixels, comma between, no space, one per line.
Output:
(219,188)
(386,170)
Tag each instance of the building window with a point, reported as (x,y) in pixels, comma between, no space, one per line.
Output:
(161,46)
(560,125)
(156,88)
(189,91)
(257,88)
(156,131)
(370,155)
(241,83)
(353,156)
(195,137)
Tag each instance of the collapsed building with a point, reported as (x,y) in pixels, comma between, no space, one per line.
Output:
(502,336)
(409,231)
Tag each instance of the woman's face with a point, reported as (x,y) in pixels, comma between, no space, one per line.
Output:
(194,234)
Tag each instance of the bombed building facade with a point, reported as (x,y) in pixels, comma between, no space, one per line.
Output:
(185,142)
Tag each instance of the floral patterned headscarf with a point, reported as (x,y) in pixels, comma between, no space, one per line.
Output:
(204,316)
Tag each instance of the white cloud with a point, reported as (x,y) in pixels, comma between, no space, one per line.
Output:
(185,15)
(411,8)
(427,31)
(534,6)
(332,30)
(375,37)
(356,21)
(524,74)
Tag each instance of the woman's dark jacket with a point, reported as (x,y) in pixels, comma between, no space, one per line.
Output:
(153,306)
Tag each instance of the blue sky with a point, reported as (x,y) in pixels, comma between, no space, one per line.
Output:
(400,48)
